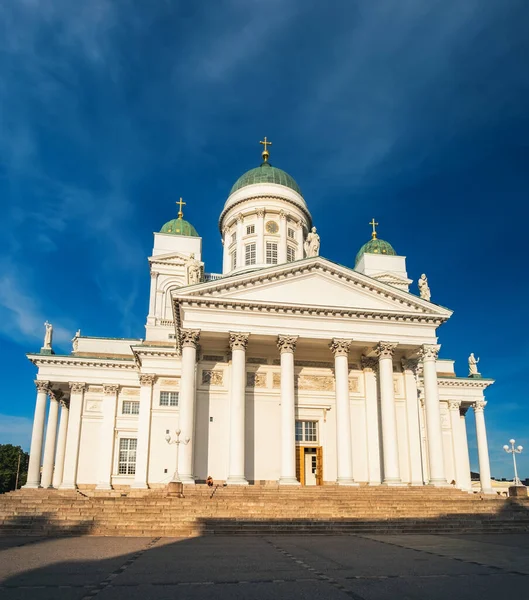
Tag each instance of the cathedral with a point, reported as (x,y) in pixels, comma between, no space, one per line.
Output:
(284,369)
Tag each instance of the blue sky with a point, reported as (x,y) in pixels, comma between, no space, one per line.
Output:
(414,112)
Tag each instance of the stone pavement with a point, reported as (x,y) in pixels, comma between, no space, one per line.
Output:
(466,567)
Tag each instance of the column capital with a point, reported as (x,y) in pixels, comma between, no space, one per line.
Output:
(260,212)
(429,352)
(77,387)
(410,364)
(56,395)
(287,343)
(42,386)
(454,405)
(240,218)
(238,341)
(282,214)
(154,274)
(340,347)
(369,363)
(479,406)
(145,379)
(65,402)
(189,337)
(385,349)
(110,388)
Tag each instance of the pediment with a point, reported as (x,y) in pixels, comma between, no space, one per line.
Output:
(171,258)
(317,283)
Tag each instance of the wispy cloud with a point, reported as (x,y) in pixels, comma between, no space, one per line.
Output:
(15,430)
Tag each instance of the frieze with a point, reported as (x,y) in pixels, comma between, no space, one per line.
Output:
(212,377)
(276,380)
(95,389)
(130,392)
(256,360)
(255,380)
(323,383)
(354,385)
(168,382)
(314,363)
(213,358)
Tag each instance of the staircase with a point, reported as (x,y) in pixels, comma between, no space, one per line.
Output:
(258,510)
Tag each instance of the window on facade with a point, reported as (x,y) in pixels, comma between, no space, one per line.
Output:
(250,254)
(130,407)
(250,229)
(306,431)
(233,237)
(291,254)
(127,456)
(291,233)
(233,256)
(271,253)
(168,398)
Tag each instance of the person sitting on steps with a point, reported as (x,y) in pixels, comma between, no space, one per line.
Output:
(209,481)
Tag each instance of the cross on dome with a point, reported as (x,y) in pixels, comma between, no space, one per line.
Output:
(374,224)
(180,203)
(265,154)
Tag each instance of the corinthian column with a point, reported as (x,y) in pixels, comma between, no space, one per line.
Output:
(390,447)
(144,430)
(466,480)
(238,343)
(188,402)
(73,436)
(37,434)
(51,435)
(409,368)
(61,443)
(106,437)
(370,367)
(287,346)
(457,451)
(483,447)
(428,353)
(344,457)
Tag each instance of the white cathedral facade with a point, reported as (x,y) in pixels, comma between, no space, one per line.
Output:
(286,369)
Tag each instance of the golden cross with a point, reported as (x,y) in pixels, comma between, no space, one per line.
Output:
(266,154)
(180,204)
(374,224)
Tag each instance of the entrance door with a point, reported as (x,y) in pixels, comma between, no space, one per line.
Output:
(310,466)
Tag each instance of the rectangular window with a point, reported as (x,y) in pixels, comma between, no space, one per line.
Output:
(233,237)
(233,259)
(250,254)
(250,229)
(168,398)
(130,407)
(291,254)
(271,253)
(127,456)
(306,431)
(291,233)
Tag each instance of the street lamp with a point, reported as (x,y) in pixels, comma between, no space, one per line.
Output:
(514,451)
(177,441)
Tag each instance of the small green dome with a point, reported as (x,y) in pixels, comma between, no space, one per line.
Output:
(375,246)
(266,173)
(179,227)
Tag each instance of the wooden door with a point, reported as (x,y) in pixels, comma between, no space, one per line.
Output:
(319,465)
(300,464)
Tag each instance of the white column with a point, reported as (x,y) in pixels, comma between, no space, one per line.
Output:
(106,437)
(409,367)
(238,343)
(370,367)
(282,249)
(390,448)
(483,447)
(152,299)
(299,239)
(434,434)
(61,443)
(344,452)
(239,244)
(188,402)
(51,438)
(73,436)
(144,431)
(465,457)
(37,435)
(259,230)
(287,346)
(158,307)
(455,425)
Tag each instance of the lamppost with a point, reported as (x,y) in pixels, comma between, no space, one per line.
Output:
(177,441)
(514,451)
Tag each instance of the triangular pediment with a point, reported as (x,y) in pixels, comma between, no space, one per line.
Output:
(316,282)
(170,258)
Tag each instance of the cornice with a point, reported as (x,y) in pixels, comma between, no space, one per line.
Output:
(463,382)
(71,361)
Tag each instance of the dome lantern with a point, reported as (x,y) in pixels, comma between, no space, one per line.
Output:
(179,226)
(375,245)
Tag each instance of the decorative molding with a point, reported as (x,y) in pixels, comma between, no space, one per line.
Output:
(255,380)
(282,214)
(454,405)
(71,361)
(429,352)
(147,378)
(76,387)
(112,388)
(340,347)
(276,380)
(323,383)
(260,212)
(385,349)
(354,385)
(287,343)
(189,337)
(240,218)
(238,341)
(256,360)
(42,386)
(314,363)
(464,382)
(369,363)
(213,377)
(479,406)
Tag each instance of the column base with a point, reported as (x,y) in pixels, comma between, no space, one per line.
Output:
(236,480)
(139,485)
(288,481)
(103,486)
(393,482)
(417,483)
(374,483)
(439,483)
(187,479)
(30,486)
(346,481)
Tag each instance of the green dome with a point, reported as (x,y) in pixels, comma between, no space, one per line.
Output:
(375,246)
(179,227)
(266,173)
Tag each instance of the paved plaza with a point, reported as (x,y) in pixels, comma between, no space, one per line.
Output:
(380,567)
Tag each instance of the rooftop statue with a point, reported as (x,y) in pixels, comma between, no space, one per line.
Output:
(312,244)
(424,288)
(48,336)
(472,365)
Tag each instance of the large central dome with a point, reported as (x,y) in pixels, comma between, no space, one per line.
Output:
(266,173)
